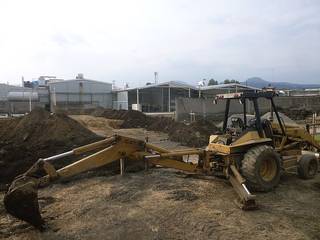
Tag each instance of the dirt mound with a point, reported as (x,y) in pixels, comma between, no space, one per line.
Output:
(38,134)
(132,118)
(193,135)
(296,113)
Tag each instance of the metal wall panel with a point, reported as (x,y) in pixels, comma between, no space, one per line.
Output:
(5,88)
(82,93)
(83,86)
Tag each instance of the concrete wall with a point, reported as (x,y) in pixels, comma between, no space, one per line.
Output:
(24,107)
(204,108)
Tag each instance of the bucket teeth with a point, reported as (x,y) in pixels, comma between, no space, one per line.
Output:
(21,201)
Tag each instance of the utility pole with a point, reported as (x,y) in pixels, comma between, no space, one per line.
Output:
(155,77)
(30,104)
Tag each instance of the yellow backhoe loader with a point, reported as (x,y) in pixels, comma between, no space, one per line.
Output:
(251,159)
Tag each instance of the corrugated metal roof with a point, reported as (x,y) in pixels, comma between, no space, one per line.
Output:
(78,80)
(228,86)
(171,84)
(179,84)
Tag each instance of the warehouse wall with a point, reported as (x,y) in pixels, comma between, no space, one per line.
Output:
(204,108)
(153,99)
(120,100)
(80,94)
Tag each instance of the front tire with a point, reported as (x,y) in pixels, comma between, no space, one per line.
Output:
(261,168)
(308,166)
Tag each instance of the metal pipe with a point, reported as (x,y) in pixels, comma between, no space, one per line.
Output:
(246,189)
(152,156)
(236,174)
(61,155)
(181,153)
(174,154)
(138,97)
(156,148)
(82,149)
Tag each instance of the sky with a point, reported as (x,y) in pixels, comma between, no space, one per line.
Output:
(183,40)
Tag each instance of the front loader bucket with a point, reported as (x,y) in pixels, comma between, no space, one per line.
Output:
(21,201)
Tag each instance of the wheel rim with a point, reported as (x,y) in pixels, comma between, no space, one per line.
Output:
(268,169)
(312,168)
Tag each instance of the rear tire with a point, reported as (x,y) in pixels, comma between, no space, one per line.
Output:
(308,166)
(261,168)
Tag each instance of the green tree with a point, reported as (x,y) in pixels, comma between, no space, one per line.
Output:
(227,81)
(234,81)
(212,82)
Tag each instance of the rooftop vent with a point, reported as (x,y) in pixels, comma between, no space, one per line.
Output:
(79,76)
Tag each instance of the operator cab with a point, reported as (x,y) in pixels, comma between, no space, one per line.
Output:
(237,125)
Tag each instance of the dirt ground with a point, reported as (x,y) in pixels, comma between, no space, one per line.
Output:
(166,204)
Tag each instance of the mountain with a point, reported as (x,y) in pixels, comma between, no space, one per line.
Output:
(260,83)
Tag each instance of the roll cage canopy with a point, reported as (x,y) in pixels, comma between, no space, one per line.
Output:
(251,96)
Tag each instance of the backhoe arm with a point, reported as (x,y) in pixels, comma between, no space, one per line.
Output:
(121,148)
(21,200)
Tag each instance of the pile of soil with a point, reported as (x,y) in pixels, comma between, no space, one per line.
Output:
(131,118)
(39,134)
(296,113)
(195,134)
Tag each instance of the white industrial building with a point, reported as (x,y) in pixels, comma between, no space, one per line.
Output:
(79,93)
(153,97)
(56,94)
(161,97)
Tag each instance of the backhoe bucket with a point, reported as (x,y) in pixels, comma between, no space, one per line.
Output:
(21,201)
